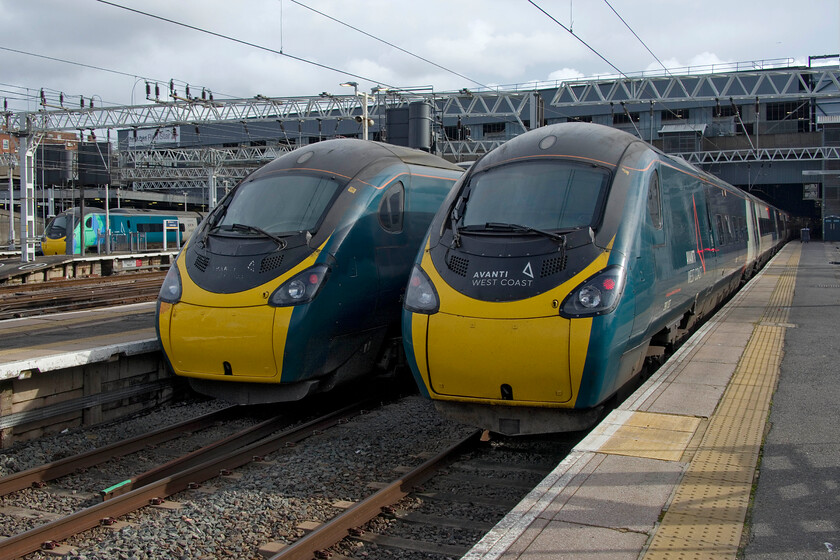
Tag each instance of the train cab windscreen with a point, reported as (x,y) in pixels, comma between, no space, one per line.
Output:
(280,203)
(57,228)
(543,195)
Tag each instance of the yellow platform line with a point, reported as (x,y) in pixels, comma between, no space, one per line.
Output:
(706,516)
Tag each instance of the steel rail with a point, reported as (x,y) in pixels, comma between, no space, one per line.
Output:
(336,529)
(69,465)
(43,297)
(60,529)
(70,283)
(210,452)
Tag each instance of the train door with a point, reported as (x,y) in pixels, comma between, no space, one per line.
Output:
(393,254)
(703,237)
(651,256)
(831,228)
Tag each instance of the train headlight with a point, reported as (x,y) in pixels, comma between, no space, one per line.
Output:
(599,295)
(421,296)
(300,288)
(170,291)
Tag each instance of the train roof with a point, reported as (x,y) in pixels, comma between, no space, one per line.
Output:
(348,156)
(595,143)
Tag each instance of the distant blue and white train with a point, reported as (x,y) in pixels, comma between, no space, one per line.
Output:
(560,264)
(124,221)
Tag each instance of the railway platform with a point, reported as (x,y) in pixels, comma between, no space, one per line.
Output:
(80,367)
(749,401)
(53,267)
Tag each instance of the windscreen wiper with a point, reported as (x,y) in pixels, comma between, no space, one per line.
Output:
(456,214)
(215,217)
(558,237)
(526,229)
(281,243)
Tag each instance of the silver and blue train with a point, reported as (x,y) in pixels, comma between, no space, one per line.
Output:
(123,223)
(293,284)
(561,264)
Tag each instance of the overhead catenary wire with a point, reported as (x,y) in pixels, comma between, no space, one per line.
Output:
(587,45)
(243,42)
(637,37)
(392,45)
(83,65)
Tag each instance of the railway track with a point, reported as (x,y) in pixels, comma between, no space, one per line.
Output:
(154,486)
(263,491)
(26,300)
(440,508)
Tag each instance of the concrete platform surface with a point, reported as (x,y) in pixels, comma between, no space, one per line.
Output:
(63,340)
(671,472)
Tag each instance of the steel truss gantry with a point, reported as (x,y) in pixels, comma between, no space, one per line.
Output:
(767,85)
(750,155)
(201,166)
(198,112)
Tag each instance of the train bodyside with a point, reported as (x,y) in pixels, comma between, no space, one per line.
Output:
(586,253)
(122,221)
(271,312)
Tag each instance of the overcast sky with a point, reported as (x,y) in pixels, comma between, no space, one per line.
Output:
(467,43)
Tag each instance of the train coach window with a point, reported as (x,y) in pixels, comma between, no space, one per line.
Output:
(391,208)
(654,202)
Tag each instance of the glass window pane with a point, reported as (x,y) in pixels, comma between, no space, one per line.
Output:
(281,203)
(542,195)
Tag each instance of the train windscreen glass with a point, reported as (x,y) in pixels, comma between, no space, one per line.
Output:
(58,227)
(541,195)
(281,203)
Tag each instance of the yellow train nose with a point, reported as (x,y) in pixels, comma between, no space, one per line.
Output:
(511,359)
(237,343)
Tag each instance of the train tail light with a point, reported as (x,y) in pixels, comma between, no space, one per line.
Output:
(421,296)
(598,295)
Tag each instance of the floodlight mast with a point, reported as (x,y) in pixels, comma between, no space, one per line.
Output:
(364,96)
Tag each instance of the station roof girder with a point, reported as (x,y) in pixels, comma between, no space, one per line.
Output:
(739,86)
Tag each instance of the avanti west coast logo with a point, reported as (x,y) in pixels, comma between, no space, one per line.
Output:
(504,277)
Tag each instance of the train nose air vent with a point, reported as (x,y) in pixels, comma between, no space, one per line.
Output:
(553,266)
(458,265)
(271,262)
(201,262)
(228,369)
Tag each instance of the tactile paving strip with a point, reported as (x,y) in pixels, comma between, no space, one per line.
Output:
(706,516)
(654,436)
